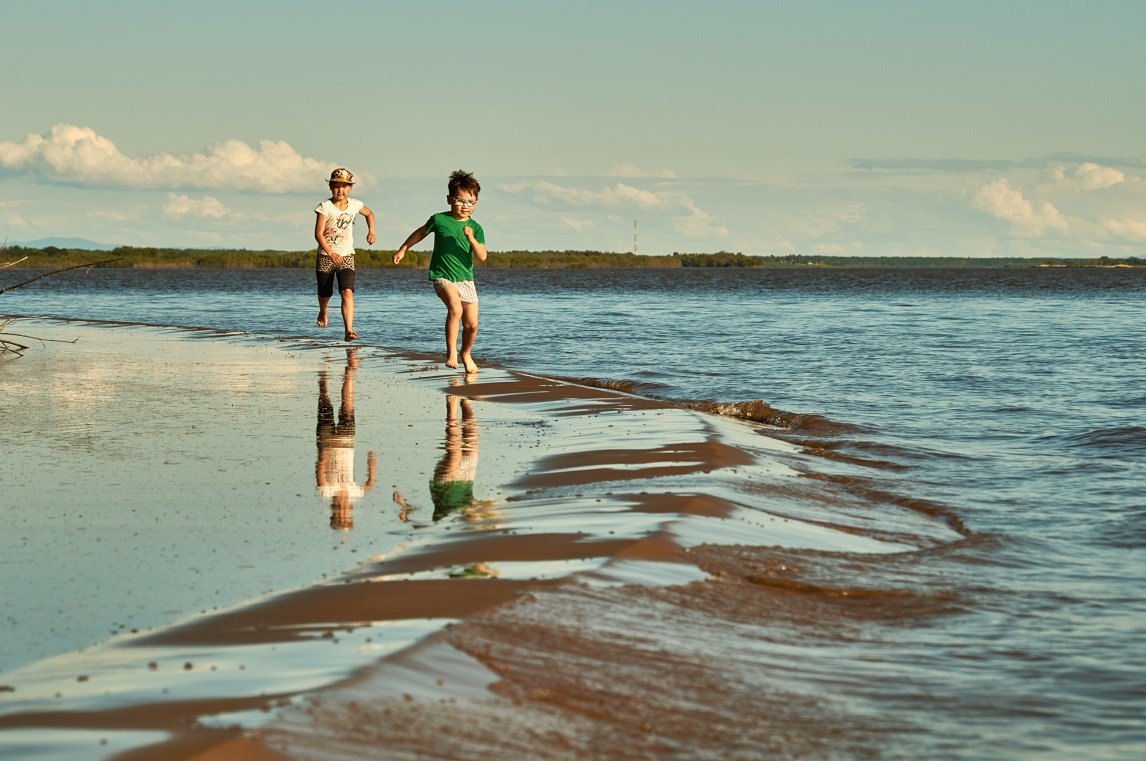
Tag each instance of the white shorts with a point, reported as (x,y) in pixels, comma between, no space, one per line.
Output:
(467,289)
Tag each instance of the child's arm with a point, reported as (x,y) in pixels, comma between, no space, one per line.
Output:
(371,471)
(479,248)
(412,240)
(319,228)
(370,236)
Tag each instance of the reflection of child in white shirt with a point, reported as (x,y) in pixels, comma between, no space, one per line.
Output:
(338,476)
(334,468)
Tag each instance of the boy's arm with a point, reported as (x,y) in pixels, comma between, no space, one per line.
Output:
(319,227)
(412,240)
(370,236)
(478,248)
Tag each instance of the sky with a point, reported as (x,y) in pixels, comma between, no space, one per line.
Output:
(855,128)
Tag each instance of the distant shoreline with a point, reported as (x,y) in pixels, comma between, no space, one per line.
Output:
(18,257)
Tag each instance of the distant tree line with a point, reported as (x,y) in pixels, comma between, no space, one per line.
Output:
(177,258)
(723,259)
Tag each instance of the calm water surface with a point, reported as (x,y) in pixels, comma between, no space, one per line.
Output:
(1011,402)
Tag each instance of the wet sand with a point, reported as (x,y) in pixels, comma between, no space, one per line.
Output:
(202,562)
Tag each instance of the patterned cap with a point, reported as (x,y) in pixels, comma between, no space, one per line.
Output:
(341,175)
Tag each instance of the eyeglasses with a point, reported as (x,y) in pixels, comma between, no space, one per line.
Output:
(464,201)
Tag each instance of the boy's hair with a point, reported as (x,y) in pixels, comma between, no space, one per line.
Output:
(462,180)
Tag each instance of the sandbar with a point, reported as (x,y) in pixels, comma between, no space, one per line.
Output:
(236,547)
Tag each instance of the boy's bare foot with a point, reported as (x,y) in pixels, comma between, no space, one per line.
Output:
(470,365)
(351,335)
(321,321)
(452,360)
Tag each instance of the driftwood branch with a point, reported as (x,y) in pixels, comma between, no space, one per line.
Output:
(56,272)
(37,338)
(14,347)
(11,347)
(12,264)
(8,346)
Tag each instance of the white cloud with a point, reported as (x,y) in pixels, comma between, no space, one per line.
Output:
(632,170)
(686,217)
(609,197)
(14,220)
(577,223)
(1087,176)
(113,214)
(699,224)
(185,206)
(1028,219)
(1064,200)
(73,154)
(1094,177)
(644,199)
(1127,229)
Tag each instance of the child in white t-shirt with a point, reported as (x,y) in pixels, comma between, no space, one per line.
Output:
(334,231)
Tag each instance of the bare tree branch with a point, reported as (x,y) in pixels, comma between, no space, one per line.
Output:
(37,338)
(11,347)
(55,272)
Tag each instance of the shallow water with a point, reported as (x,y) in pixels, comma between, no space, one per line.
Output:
(1006,406)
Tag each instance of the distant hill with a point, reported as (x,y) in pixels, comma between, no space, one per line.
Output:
(80,243)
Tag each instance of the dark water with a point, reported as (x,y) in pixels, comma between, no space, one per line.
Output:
(1009,404)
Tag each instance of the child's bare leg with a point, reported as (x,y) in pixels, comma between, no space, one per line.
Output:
(449,296)
(469,333)
(323,301)
(452,339)
(348,312)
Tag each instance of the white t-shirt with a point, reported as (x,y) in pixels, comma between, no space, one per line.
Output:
(339,230)
(339,472)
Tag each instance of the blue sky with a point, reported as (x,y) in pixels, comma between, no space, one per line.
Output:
(1001,128)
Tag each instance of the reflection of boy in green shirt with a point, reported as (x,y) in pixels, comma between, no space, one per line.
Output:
(449,496)
(452,487)
(457,240)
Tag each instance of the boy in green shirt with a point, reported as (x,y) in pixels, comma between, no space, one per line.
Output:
(457,240)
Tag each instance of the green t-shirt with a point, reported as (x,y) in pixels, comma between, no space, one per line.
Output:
(450,496)
(452,258)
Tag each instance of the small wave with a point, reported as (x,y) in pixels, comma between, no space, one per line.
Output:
(1123,440)
(1124,529)
(757,410)
(760,411)
(1138,401)
(869,454)
(869,490)
(815,585)
(637,388)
